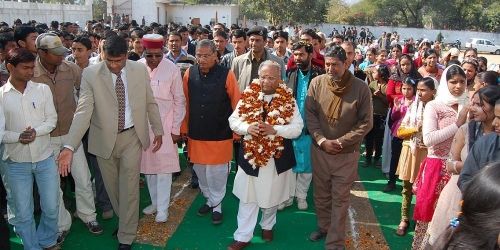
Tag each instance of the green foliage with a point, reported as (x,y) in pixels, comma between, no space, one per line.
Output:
(481,15)
(285,11)
(98,9)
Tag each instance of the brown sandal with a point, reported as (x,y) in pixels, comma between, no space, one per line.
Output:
(402,229)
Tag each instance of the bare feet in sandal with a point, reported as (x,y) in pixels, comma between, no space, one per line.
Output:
(402,228)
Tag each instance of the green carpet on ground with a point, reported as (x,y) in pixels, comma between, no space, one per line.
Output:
(290,232)
(387,206)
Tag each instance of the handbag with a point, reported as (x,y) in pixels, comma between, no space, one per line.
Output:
(404,132)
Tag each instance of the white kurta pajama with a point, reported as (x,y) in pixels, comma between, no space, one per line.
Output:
(166,83)
(268,189)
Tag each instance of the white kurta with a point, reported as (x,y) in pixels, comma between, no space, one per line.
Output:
(268,189)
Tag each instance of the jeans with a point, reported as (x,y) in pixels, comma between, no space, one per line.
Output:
(18,178)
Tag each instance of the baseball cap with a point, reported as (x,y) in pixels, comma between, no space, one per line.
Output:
(454,52)
(52,43)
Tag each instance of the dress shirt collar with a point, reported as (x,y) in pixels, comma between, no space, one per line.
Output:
(8,87)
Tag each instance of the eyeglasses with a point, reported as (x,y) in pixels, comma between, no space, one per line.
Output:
(203,56)
(268,78)
(154,55)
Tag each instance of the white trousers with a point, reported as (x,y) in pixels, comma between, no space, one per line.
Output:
(212,180)
(299,185)
(247,218)
(159,186)
(84,195)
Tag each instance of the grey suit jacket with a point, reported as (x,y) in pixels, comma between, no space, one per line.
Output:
(98,108)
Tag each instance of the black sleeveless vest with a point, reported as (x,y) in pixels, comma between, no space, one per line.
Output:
(284,163)
(209,105)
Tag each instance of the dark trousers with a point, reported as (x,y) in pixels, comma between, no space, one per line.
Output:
(102,198)
(396,146)
(375,138)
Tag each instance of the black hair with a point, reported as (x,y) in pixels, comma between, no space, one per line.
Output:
(22,32)
(161,31)
(239,33)
(429,82)
(412,82)
(299,45)
(454,70)
(136,33)
(123,34)
(280,33)
(489,77)
(54,24)
(479,222)
(489,94)
(175,33)
(182,29)
(383,72)
(133,56)
(413,71)
(19,55)
(311,33)
(337,52)
(397,46)
(429,52)
(374,51)
(338,36)
(453,62)
(470,49)
(202,30)
(115,46)
(84,40)
(5,38)
(221,33)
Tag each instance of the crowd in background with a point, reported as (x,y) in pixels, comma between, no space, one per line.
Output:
(436,116)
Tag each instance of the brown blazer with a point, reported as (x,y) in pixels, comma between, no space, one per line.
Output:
(98,108)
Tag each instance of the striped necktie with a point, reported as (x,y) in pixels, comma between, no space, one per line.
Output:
(120,94)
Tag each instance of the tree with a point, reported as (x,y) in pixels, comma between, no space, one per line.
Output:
(98,9)
(285,11)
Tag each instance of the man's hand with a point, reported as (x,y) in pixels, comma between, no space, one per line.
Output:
(64,162)
(184,137)
(175,138)
(253,130)
(266,129)
(331,147)
(157,143)
(27,136)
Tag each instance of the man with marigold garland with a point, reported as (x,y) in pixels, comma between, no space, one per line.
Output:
(211,93)
(267,117)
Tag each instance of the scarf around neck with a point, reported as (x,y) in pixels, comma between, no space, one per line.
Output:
(338,88)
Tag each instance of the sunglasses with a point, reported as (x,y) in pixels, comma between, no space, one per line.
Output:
(154,55)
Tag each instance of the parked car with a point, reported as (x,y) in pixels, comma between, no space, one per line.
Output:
(483,45)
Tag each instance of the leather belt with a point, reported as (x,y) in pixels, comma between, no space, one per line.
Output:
(125,129)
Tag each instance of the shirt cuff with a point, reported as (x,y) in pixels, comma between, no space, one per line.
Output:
(321,141)
(69,147)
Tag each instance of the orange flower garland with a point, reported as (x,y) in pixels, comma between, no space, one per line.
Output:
(258,150)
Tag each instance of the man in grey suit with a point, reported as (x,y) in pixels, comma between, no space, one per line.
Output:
(116,101)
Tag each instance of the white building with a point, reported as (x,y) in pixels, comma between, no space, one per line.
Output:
(165,11)
(45,12)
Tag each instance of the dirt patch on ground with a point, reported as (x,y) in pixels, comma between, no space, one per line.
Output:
(362,225)
(182,195)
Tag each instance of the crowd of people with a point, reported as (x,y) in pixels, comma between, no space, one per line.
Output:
(290,106)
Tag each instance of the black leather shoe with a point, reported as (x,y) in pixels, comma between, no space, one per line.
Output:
(216,218)
(204,210)
(124,247)
(317,235)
